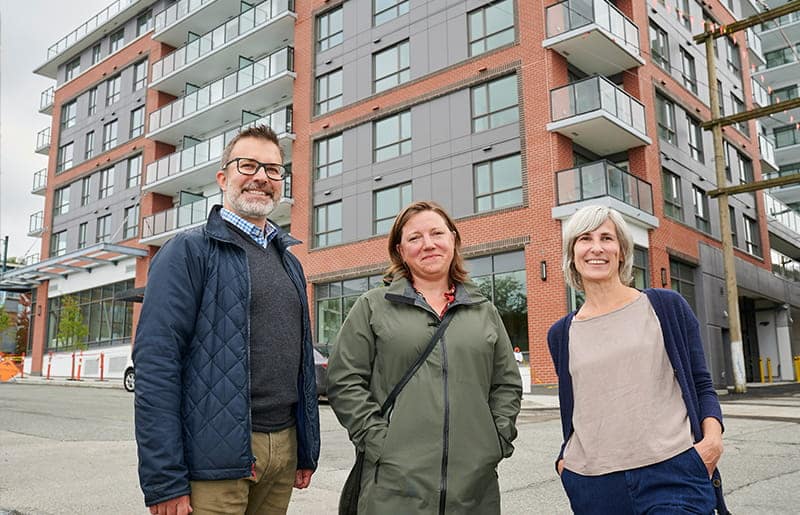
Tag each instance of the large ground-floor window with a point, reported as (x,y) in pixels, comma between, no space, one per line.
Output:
(333,302)
(107,321)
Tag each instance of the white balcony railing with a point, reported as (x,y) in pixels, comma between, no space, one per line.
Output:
(179,217)
(47,99)
(43,139)
(767,150)
(597,93)
(36,223)
(246,22)
(40,180)
(88,27)
(782,213)
(760,94)
(175,12)
(259,72)
(571,15)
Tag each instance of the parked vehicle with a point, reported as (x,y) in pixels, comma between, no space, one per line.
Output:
(129,377)
(321,369)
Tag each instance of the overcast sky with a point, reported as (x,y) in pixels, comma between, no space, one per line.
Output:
(27,29)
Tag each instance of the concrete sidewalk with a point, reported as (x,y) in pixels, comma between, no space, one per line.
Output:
(65,381)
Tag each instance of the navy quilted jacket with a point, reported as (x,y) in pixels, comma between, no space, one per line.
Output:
(192,356)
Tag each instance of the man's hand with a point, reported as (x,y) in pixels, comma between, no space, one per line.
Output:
(710,447)
(560,466)
(302,478)
(178,506)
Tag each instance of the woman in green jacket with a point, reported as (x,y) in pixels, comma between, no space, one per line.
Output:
(437,450)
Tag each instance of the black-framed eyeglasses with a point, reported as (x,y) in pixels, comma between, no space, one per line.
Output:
(248,166)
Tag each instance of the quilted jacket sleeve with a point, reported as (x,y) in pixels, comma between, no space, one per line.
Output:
(166,325)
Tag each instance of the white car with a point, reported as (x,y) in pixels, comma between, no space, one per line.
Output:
(129,377)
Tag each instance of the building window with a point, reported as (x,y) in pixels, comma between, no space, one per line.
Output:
(117,40)
(682,280)
(720,98)
(328,224)
(745,169)
(387,203)
(109,135)
(734,59)
(139,75)
(329,92)
(689,71)
(682,12)
(131,226)
(92,101)
(752,238)
(329,29)
(137,122)
(333,303)
(673,205)
(659,46)
(64,158)
(134,172)
(89,147)
(328,155)
(784,94)
(502,279)
(69,113)
(96,54)
(85,192)
(58,244)
(386,10)
(103,232)
(665,116)
(110,321)
(734,232)
(82,229)
(641,273)
(701,220)
(144,22)
(491,26)
(495,103)
(392,136)
(391,66)
(61,201)
(727,151)
(106,182)
(72,69)
(738,107)
(498,183)
(695,138)
(113,89)
(786,136)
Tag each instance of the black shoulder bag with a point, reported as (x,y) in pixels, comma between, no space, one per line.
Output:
(348,500)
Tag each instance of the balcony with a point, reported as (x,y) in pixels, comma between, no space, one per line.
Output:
(46,100)
(604,183)
(71,45)
(783,222)
(196,166)
(36,224)
(783,265)
(267,26)
(598,115)
(264,83)
(775,33)
(767,151)
(160,227)
(751,8)
(39,182)
(754,47)
(196,16)
(781,68)
(787,143)
(593,35)
(43,141)
(760,94)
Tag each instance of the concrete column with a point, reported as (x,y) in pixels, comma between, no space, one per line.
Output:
(784,342)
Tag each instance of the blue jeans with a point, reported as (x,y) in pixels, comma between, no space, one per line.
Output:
(677,485)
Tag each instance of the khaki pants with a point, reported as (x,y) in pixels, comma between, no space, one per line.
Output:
(266,493)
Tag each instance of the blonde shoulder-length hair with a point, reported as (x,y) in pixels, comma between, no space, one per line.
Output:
(588,219)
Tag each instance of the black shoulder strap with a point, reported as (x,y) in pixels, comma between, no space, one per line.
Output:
(389,402)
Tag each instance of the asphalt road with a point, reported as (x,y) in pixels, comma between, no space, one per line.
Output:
(72,451)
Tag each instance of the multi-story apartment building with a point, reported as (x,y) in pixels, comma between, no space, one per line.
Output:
(511,114)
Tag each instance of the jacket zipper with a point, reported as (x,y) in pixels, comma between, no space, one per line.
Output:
(445,431)
(249,385)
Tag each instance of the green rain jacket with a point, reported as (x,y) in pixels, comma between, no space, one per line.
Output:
(438,449)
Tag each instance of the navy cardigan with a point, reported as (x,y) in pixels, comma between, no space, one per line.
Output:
(684,348)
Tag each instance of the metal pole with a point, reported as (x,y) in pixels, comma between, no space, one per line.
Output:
(729,264)
(5,253)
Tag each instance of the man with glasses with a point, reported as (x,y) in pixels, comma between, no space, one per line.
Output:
(226,404)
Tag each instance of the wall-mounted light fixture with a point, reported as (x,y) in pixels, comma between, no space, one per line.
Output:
(543,270)
(663,277)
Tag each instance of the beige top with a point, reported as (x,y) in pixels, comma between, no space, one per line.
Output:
(629,411)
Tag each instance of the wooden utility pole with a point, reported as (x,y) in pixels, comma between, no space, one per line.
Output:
(715,124)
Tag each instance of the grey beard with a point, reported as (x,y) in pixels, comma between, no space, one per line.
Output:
(250,209)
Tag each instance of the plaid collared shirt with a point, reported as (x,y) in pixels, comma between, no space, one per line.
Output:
(259,235)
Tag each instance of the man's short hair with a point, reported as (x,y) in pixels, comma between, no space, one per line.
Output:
(262,132)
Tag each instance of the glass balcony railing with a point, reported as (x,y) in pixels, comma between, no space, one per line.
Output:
(210,150)
(782,213)
(261,71)
(31,259)
(36,222)
(785,266)
(754,42)
(767,149)
(246,22)
(179,217)
(47,99)
(787,136)
(88,27)
(40,179)
(601,179)
(595,94)
(43,139)
(760,94)
(176,11)
(571,14)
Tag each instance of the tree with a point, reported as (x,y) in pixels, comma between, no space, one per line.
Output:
(71,329)
(23,323)
(5,320)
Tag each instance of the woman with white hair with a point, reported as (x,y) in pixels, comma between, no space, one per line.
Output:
(641,421)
